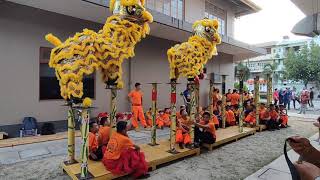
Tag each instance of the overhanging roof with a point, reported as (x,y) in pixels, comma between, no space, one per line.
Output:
(244,7)
(164,26)
(308,7)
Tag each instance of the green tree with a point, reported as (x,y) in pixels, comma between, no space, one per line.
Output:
(242,69)
(236,85)
(304,65)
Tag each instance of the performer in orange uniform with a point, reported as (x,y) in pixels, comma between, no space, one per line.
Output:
(95,151)
(274,118)
(178,114)
(183,127)
(104,129)
(166,118)
(135,97)
(263,114)
(122,156)
(215,120)
(234,97)
(160,119)
(149,117)
(283,116)
(251,118)
(230,118)
(204,131)
(236,112)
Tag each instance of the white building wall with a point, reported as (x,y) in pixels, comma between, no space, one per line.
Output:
(22,34)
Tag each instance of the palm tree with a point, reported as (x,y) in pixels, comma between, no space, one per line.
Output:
(242,70)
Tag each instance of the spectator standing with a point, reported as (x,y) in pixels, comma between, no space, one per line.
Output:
(281,96)
(294,97)
(310,102)
(275,96)
(304,98)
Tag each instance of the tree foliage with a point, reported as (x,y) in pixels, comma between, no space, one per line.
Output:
(242,69)
(304,65)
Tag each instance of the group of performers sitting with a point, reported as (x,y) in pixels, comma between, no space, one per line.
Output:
(274,117)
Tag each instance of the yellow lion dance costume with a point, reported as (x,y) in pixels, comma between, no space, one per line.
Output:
(88,51)
(188,59)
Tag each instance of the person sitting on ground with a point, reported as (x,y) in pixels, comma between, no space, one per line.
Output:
(123,156)
(215,120)
(283,116)
(230,117)
(273,123)
(251,117)
(178,114)
(236,112)
(166,118)
(247,109)
(95,151)
(160,119)
(183,128)
(204,131)
(309,168)
(104,129)
(149,117)
(263,114)
(234,98)
(219,118)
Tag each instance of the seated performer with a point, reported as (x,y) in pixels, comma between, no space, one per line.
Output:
(236,112)
(215,120)
(104,129)
(178,114)
(95,151)
(283,116)
(149,117)
(166,118)
(274,118)
(219,117)
(251,117)
(122,156)
(161,119)
(183,128)
(263,114)
(204,131)
(230,117)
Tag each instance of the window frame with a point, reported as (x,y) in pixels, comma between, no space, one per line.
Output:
(223,15)
(46,61)
(154,5)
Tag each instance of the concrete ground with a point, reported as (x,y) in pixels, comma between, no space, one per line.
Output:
(278,169)
(236,160)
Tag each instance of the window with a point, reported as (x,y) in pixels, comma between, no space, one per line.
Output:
(173,8)
(214,12)
(49,85)
(268,50)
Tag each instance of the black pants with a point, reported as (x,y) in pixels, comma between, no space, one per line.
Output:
(275,102)
(272,124)
(98,153)
(203,137)
(294,103)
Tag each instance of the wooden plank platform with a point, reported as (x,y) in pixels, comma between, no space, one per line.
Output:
(3,135)
(261,127)
(229,134)
(155,156)
(34,139)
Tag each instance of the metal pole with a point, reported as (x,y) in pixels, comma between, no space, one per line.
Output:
(197,94)
(241,105)
(193,109)
(154,114)
(173,101)
(210,99)
(85,143)
(71,135)
(113,105)
(256,98)
(223,101)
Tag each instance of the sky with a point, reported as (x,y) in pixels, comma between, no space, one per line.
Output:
(275,20)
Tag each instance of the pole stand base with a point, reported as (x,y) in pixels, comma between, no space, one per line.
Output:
(150,144)
(173,151)
(89,176)
(70,162)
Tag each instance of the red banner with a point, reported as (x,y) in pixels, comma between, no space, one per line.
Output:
(173,97)
(154,95)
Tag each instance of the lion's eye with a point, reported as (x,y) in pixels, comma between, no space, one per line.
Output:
(207,29)
(131,10)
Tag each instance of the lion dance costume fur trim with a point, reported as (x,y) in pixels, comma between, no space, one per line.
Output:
(188,59)
(88,51)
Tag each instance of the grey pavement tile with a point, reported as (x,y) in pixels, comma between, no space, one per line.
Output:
(274,174)
(33,152)
(9,157)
